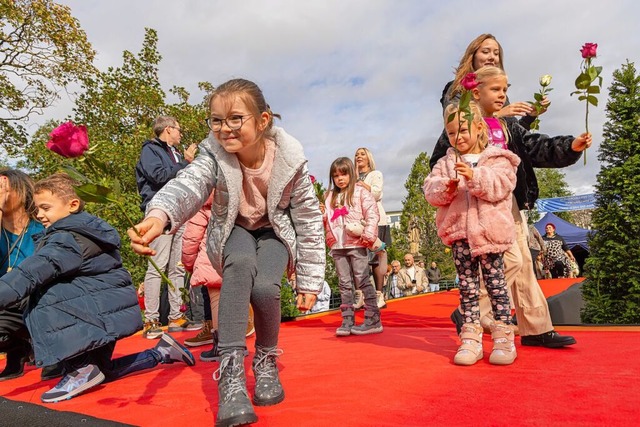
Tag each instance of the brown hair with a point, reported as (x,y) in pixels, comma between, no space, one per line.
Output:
(22,184)
(342,165)
(466,62)
(250,94)
(60,185)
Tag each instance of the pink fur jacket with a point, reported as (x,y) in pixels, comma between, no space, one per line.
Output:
(194,249)
(479,210)
(335,221)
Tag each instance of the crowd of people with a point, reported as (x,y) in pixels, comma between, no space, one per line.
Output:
(239,210)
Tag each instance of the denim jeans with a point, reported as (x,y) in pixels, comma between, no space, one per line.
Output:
(114,368)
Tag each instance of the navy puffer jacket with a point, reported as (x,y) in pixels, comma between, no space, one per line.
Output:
(81,297)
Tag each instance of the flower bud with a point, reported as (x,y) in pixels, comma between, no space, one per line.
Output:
(469,81)
(545,80)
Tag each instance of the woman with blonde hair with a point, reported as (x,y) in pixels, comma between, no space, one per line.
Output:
(372,180)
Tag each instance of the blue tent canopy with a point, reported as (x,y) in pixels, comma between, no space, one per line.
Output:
(572,234)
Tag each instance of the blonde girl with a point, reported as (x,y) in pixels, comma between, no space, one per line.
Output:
(471,187)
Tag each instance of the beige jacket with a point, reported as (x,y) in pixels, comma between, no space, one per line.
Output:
(406,285)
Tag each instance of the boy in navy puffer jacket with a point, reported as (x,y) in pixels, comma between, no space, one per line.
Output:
(82,299)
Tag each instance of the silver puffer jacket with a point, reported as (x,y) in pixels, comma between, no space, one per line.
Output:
(292,205)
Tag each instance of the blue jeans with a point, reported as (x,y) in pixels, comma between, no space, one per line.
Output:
(114,368)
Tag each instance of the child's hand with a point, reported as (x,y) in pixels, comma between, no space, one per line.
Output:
(464,169)
(582,142)
(148,230)
(304,302)
(452,185)
(516,109)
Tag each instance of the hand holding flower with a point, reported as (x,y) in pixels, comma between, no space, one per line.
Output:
(452,185)
(464,169)
(144,233)
(582,142)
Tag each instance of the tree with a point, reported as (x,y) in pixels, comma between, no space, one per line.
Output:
(416,209)
(42,50)
(551,183)
(118,107)
(612,291)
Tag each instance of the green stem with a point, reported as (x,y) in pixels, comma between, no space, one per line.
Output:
(153,263)
(586,125)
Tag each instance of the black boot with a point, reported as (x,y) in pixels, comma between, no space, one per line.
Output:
(17,356)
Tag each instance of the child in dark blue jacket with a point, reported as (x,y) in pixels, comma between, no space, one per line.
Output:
(82,299)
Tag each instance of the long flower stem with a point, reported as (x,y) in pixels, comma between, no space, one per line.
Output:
(153,263)
(586,125)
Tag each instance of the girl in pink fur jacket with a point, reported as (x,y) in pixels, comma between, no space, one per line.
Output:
(472,190)
(347,205)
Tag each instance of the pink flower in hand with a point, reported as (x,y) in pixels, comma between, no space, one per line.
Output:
(589,50)
(469,81)
(69,140)
(313,179)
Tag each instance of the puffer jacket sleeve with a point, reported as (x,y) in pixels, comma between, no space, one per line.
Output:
(194,232)
(545,151)
(60,256)
(310,240)
(435,185)
(184,195)
(495,180)
(371,216)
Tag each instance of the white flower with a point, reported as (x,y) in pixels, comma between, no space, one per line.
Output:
(545,80)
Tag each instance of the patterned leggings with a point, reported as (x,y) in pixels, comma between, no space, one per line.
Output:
(468,268)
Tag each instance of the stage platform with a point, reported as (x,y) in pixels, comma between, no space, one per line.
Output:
(404,376)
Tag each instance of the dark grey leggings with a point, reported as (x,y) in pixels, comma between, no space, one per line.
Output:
(254,262)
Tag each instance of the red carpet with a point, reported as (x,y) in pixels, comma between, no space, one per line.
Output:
(402,377)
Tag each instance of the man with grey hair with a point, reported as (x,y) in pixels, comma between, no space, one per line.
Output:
(159,162)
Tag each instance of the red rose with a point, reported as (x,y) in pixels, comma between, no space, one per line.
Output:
(69,140)
(469,81)
(589,50)
(313,179)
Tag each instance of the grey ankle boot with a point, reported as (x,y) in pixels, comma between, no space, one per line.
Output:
(371,325)
(348,320)
(268,388)
(234,406)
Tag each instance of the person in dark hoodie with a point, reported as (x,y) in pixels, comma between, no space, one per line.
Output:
(159,162)
(81,298)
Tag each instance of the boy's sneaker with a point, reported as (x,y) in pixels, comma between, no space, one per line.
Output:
(152,330)
(213,355)
(74,383)
(204,337)
(171,351)
(192,325)
(178,325)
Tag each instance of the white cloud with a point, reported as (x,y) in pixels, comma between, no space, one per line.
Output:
(346,74)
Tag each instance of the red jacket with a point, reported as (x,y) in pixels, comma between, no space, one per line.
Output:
(480,209)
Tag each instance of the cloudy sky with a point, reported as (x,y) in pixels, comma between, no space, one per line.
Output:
(350,73)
